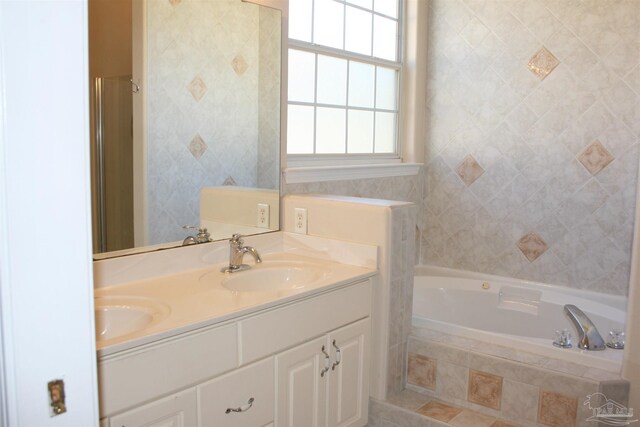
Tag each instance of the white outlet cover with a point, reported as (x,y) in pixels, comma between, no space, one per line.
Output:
(300,220)
(262,220)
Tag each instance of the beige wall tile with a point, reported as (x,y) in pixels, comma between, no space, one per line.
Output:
(451,381)
(422,371)
(519,401)
(485,389)
(557,410)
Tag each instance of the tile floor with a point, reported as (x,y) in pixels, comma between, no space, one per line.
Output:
(425,411)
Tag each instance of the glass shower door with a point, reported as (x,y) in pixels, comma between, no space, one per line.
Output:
(112,157)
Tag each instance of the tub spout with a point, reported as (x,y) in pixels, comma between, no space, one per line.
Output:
(588,336)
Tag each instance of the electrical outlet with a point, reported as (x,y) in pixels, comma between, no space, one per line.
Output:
(300,216)
(263,215)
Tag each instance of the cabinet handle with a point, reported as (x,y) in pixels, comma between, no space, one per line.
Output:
(338,356)
(326,362)
(241,408)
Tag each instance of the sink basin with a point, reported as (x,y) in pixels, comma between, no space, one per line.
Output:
(120,316)
(272,276)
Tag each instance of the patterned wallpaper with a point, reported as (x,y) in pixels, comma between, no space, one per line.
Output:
(203,89)
(532,152)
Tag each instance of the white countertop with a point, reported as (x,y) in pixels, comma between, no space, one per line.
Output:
(195,301)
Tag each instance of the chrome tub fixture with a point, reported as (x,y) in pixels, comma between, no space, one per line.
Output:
(588,336)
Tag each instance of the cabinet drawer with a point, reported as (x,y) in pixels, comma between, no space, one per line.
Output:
(178,410)
(156,370)
(282,328)
(234,390)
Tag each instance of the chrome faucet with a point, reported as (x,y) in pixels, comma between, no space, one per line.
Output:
(588,336)
(236,253)
(203,236)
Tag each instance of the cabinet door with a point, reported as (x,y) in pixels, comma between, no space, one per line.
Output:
(243,397)
(349,375)
(301,393)
(178,410)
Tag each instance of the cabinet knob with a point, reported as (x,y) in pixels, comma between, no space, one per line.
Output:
(241,408)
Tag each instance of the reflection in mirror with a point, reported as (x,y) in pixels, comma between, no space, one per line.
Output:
(185,120)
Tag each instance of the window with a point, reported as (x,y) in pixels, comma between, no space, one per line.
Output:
(343,79)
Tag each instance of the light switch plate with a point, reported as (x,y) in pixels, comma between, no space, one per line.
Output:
(300,217)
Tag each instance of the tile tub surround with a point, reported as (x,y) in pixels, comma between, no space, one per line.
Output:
(499,382)
(532,145)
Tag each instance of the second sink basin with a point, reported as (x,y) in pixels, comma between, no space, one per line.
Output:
(119,316)
(271,276)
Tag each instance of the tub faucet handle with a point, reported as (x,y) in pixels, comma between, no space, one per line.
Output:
(616,339)
(563,339)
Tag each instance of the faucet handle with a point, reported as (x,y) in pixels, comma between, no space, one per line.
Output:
(563,339)
(193,227)
(237,238)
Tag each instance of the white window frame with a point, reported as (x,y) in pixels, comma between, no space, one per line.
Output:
(411,115)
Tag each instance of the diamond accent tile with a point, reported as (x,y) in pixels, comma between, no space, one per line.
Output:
(557,410)
(595,157)
(197,88)
(485,389)
(469,170)
(197,146)
(532,246)
(239,65)
(229,181)
(543,63)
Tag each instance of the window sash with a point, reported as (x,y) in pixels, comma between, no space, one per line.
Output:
(314,159)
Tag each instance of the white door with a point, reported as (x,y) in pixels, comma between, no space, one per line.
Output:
(301,394)
(46,293)
(349,375)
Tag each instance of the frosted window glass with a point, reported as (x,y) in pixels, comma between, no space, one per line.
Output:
(328,23)
(386,88)
(300,129)
(385,132)
(358,31)
(302,70)
(367,4)
(360,133)
(300,12)
(385,40)
(332,80)
(361,84)
(386,7)
(330,130)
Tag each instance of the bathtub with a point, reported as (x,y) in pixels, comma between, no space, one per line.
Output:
(514,313)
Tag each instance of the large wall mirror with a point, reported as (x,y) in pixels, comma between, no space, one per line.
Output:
(186,98)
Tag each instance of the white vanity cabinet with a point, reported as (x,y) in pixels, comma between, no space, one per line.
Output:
(243,397)
(261,369)
(178,410)
(325,382)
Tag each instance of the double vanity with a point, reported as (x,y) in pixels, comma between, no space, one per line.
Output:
(284,343)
